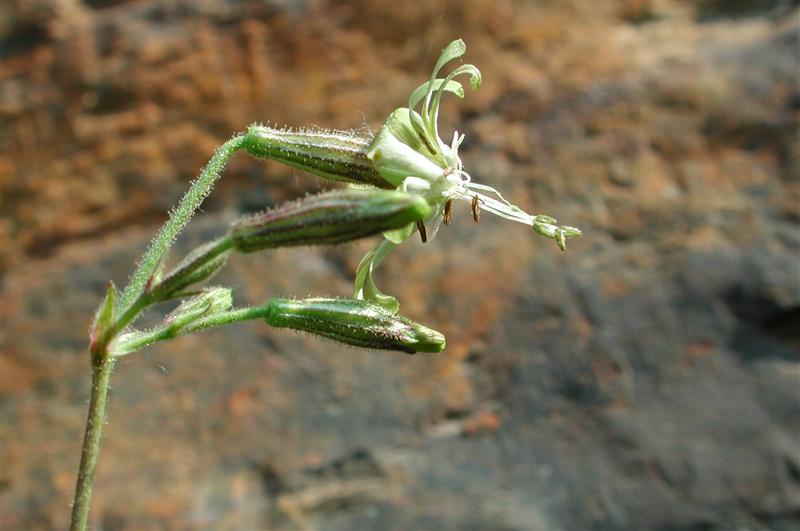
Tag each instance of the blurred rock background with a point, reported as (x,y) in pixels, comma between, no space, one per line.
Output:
(648,378)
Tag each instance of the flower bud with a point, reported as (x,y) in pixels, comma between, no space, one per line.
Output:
(354,322)
(211,301)
(328,218)
(335,155)
(198,266)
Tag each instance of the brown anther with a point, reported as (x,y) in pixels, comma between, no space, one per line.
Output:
(448,211)
(422,233)
(476,209)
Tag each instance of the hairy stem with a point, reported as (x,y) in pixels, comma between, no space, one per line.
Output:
(139,340)
(178,219)
(101,375)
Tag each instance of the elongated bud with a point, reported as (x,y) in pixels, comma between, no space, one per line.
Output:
(211,301)
(335,155)
(328,218)
(198,266)
(354,322)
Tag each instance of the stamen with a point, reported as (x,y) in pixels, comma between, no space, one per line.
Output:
(476,209)
(500,206)
(448,211)
(422,234)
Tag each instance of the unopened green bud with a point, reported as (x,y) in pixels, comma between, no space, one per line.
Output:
(211,301)
(198,266)
(335,155)
(329,218)
(354,322)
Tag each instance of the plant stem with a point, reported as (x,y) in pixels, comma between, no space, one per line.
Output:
(142,339)
(178,219)
(132,302)
(102,366)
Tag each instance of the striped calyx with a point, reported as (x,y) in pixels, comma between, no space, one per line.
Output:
(354,322)
(336,155)
(328,218)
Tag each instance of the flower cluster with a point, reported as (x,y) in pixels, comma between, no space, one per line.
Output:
(403,179)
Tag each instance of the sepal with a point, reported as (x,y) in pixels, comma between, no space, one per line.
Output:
(329,218)
(209,302)
(354,322)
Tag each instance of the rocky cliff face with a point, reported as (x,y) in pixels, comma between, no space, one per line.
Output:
(647,378)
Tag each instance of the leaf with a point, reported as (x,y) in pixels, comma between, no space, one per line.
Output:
(106,311)
(104,317)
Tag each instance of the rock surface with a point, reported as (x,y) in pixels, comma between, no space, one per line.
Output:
(648,378)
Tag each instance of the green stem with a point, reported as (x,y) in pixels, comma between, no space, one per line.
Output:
(138,306)
(142,339)
(101,375)
(177,221)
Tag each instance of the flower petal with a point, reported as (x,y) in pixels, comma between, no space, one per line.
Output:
(439,84)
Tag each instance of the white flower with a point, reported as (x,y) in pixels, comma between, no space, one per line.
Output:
(409,154)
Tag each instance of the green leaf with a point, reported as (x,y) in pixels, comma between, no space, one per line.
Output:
(104,317)
(106,312)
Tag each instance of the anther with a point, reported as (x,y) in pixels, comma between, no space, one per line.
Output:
(448,211)
(422,233)
(476,209)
